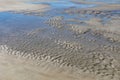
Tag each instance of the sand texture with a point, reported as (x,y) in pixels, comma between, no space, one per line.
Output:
(16,68)
(59,40)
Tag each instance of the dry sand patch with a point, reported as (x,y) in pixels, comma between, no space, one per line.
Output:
(14,5)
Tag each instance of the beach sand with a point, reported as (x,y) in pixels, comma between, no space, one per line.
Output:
(71,43)
(14,5)
(17,68)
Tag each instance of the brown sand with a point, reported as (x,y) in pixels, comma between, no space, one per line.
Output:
(86,2)
(106,7)
(91,50)
(102,6)
(17,68)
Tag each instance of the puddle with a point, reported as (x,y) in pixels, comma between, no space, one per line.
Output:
(14,22)
(17,25)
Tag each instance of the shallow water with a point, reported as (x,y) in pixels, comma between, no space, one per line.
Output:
(14,22)
(21,23)
(63,4)
(10,22)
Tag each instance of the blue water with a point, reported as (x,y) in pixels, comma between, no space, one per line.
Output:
(63,4)
(10,22)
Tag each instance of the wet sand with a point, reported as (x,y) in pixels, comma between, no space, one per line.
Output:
(73,42)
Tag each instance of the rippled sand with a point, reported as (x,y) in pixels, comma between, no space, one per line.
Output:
(54,43)
(17,68)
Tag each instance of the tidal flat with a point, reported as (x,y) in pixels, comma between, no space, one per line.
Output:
(59,40)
